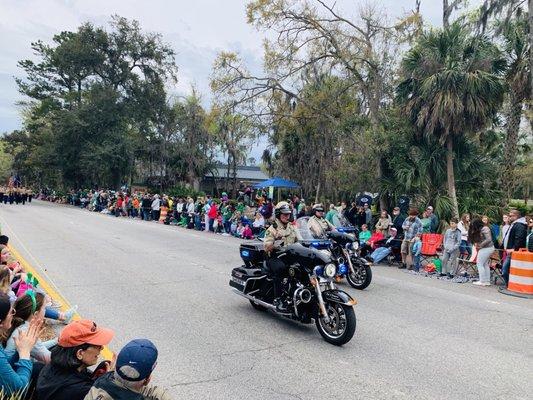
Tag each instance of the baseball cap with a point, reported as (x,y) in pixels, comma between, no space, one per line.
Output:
(136,360)
(84,331)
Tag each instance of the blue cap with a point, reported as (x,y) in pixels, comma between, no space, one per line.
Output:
(136,360)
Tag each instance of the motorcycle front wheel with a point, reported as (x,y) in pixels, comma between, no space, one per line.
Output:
(341,326)
(361,276)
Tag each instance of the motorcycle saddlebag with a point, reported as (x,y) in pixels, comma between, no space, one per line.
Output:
(240,275)
(252,252)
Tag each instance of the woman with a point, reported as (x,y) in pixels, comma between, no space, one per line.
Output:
(426,222)
(504,229)
(15,376)
(479,234)
(27,308)
(67,376)
(463,226)
(258,224)
(383,223)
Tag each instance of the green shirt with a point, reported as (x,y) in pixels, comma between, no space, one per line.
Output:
(364,236)
(330,215)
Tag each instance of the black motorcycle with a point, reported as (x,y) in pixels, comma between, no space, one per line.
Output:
(343,247)
(308,288)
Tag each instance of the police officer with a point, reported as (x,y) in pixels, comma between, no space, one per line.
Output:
(281,233)
(318,225)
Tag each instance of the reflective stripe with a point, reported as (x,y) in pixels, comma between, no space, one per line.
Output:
(520,279)
(521,264)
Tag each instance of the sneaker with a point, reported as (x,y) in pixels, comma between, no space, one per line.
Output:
(403,266)
(56,304)
(69,314)
(479,283)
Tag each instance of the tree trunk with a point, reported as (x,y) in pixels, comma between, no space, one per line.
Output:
(510,149)
(451,176)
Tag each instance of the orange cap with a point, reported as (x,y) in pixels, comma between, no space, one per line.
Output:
(84,331)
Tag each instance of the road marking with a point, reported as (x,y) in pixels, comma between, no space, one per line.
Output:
(47,284)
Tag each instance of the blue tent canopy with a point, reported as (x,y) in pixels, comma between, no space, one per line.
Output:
(276,182)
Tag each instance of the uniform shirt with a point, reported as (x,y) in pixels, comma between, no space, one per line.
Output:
(278,231)
(319,226)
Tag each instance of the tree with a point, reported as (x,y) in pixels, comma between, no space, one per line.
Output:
(451,87)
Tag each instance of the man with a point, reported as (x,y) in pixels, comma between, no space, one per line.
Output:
(281,233)
(368,214)
(318,225)
(146,205)
(397,221)
(133,372)
(515,240)
(156,208)
(412,226)
(433,218)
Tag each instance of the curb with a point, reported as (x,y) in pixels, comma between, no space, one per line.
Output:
(107,354)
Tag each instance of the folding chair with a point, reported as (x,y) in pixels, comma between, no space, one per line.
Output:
(496,267)
(469,266)
(431,243)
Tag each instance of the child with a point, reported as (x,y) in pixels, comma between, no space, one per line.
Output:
(416,251)
(247,232)
(452,243)
(364,235)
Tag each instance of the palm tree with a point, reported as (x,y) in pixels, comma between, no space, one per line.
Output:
(451,86)
(518,79)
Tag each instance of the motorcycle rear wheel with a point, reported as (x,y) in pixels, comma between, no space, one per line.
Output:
(360,278)
(341,327)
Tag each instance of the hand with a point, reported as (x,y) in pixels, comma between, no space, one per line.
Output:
(25,341)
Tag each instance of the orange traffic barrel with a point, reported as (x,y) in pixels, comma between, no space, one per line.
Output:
(163,215)
(520,275)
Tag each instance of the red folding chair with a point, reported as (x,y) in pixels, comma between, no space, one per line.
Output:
(431,245)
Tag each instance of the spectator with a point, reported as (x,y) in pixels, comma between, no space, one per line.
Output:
(515,239)
(131,378)
(16,373)
(383,223)
(417,251)
(212,215)
(247,232)
(412,226)
(382,252)
(259,224)
(372,243)
(28,307)
(463,226)
(434,219)
(479,234)
(146,205)
(67,376)
(205,212)
(332,214)
(426,222)
(364,235)
(504,227)
(397,221)
(494,229)
(529,238)
(156,208)
(452,242)
(368,214)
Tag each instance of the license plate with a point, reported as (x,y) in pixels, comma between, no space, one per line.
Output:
(237,280)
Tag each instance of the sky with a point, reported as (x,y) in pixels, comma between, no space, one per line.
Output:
(197,30)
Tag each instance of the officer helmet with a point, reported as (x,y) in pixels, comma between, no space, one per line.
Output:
(318,207)
(282,208)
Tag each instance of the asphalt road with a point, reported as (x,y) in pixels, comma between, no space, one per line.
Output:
(416,337)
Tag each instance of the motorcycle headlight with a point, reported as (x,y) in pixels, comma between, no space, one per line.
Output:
(330,270)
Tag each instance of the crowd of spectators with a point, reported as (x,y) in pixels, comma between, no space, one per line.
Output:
(64,366)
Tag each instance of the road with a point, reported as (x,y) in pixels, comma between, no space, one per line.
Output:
(416,337)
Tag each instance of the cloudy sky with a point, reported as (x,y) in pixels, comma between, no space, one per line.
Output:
(197,30)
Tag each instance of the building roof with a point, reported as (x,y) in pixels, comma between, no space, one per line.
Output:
(244,173)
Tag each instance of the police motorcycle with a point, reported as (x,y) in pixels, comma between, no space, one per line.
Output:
(343,247)
(309,287)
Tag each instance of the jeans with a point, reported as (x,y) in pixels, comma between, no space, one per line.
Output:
(211,222)
(51,313)
(146,214)
(506,266)
(416,262)
(483,263)
(380,253)
(465,248)
(449,260)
